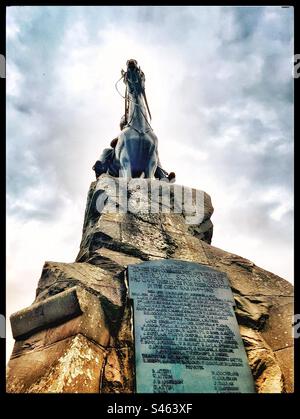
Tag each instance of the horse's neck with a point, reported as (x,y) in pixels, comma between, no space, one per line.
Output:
(137,116)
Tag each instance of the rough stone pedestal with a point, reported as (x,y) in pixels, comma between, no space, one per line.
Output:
(77,335)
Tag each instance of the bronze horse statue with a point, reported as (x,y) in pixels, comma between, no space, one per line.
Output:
(136,149)
(134,152)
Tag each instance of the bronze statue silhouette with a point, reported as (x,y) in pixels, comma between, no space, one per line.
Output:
(134,152)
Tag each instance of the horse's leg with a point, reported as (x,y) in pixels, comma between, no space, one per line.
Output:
(150,169)
(126,169)
(125,165)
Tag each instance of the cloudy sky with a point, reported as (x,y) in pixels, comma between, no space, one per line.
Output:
(220,89)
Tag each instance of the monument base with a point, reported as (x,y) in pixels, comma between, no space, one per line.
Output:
(48,347)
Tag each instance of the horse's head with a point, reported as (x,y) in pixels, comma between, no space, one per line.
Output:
(134,77)
(132,64)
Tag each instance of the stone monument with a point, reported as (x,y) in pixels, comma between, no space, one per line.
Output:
(149,305)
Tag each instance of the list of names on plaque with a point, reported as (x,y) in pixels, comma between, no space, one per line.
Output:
(186,334)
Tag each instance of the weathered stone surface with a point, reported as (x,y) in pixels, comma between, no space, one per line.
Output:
(104,256)
(57,276)
(251,311)
(44,344)
(87,324)
(118,372)
(53,310)
(72,365)
(112,241)
(245,277)
(109,287)
(285,358)
(138,232)
(265,304)
(276,333)
(265,369)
